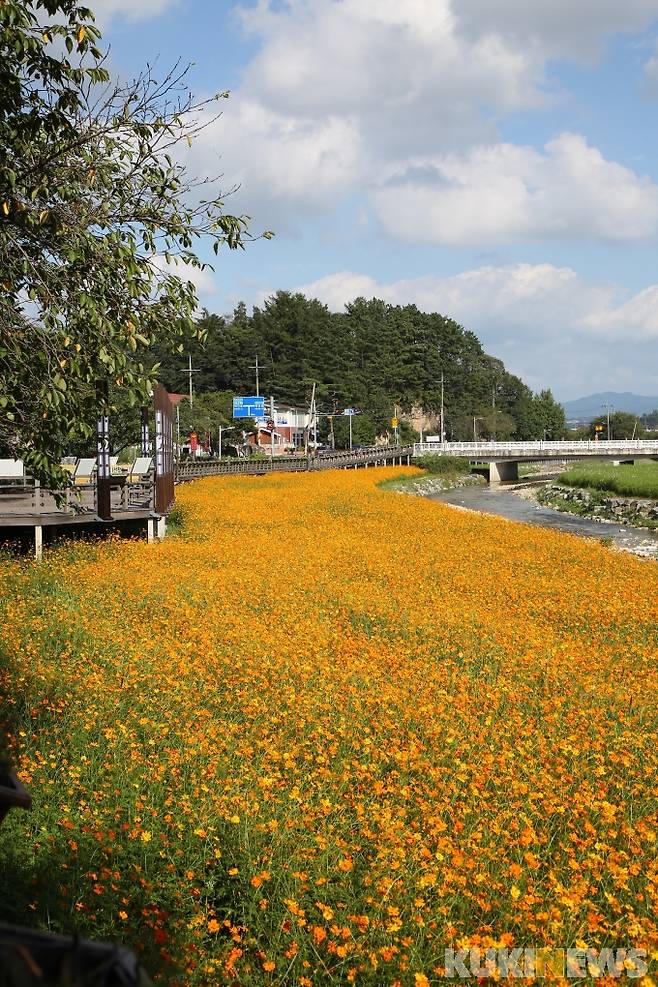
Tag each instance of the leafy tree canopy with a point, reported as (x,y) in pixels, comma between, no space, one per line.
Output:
(623,425)
(98,224)
(374,357)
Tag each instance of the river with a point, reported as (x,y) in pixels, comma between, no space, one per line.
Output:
(504,503)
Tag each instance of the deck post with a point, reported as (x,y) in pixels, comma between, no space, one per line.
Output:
(150,530)
(161,527)
(38,542)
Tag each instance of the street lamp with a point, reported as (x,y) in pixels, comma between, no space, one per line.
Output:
(350,412)
(224,428)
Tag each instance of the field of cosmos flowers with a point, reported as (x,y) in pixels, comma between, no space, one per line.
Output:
(328,731)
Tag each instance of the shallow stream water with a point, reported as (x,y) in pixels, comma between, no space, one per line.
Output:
(504,503)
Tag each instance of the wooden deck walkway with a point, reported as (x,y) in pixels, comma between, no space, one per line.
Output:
(25,505)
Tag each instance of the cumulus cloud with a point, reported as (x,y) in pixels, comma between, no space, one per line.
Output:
(280,162)
(507,192)
(389,101)
(560,27)
(547,323)
(523,297)
(510,302)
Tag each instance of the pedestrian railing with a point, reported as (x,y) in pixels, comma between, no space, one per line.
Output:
(344,459)
(624,448)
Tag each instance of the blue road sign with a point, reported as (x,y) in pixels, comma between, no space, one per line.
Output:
(349,411)
(249,407)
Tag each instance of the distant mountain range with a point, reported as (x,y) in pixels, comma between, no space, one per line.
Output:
(584,409)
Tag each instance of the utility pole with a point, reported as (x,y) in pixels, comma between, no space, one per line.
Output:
(608,408)
(443,428)
(255,367)
(493,407)
(273,434)
(189,371)
(311,418)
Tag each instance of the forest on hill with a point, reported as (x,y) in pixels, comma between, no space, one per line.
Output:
(374,357)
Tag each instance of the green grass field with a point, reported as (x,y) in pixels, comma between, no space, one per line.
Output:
(640,480)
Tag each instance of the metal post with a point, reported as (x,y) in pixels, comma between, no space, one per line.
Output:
(443,429)
(146,439)
(103,494)
(350,418)
(256,368)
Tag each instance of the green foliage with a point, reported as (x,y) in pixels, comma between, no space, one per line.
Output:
(623,425)
(443,465)
(373,357)
(98,223)
(364,431)
(640,480)
(539,416)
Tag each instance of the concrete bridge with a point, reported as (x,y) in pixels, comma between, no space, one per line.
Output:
(503,458)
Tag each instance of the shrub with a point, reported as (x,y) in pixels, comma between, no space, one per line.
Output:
(443,465)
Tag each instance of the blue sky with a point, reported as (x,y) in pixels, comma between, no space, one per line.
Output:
(497,162)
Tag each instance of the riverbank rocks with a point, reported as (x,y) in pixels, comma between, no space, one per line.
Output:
(592,503)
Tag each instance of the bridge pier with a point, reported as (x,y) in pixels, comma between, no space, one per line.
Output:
(505,470)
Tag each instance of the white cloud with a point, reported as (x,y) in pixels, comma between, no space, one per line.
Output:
(342,95)
(202,278)
(651,73)
(634,319)
(510,303)
(281,161)
(547,323)
(134,10)
(557,27)
(507,192)
(519,297)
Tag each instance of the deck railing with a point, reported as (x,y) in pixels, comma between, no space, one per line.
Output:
(24,496)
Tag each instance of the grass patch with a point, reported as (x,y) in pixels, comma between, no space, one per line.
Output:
(640,480)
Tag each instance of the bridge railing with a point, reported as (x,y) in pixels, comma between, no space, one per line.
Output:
(550,449)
